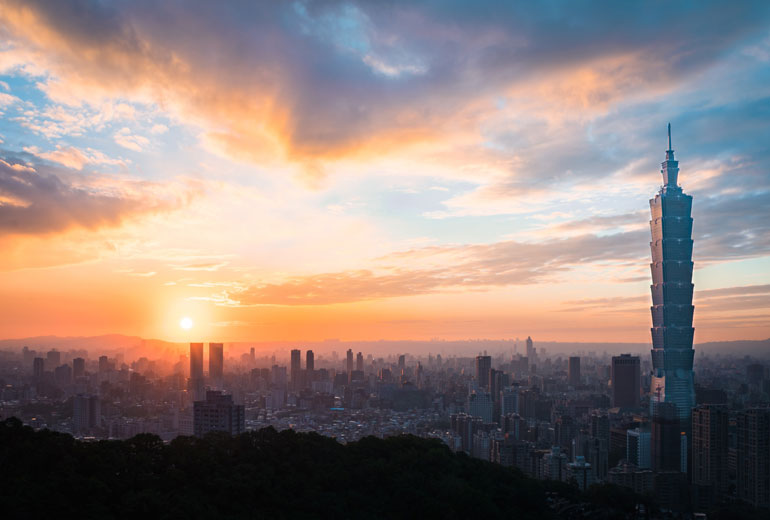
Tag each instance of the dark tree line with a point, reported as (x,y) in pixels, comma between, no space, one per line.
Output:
(265,474)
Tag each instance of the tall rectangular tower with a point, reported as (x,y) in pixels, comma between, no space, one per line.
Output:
(709,448)
(753,429)
(666,438)
(216,364)
(196,386)
(672,288)
(626,381)
(483,366)
(574,371)
(309,361)
(296,368)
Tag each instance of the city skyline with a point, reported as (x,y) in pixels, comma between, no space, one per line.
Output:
(302,171)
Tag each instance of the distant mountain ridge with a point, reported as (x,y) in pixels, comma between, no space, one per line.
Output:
(131,346)
(134,346)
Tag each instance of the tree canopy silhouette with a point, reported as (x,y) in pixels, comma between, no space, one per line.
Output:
(259,474)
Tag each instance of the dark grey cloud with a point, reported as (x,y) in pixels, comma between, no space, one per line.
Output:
(33,201)
(344,73)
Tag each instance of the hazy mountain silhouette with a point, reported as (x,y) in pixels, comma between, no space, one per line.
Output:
(133,347)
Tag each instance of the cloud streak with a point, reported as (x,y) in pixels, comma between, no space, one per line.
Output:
(440,269)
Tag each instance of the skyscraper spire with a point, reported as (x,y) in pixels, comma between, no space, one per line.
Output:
(670,167)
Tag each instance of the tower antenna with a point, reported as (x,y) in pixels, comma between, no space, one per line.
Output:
(669,136)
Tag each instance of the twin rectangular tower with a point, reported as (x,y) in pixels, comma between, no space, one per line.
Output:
(216,368)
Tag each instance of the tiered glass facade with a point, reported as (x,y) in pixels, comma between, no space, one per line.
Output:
(672,289)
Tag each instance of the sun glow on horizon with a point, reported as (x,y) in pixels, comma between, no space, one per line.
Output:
(186,323)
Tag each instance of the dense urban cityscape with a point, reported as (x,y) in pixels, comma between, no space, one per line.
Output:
(583,418)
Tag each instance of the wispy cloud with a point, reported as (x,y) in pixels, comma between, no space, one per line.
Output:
(438,269)
(126,139)
(72,157)
(200,267)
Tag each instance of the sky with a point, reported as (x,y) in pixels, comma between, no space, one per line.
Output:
(377,169)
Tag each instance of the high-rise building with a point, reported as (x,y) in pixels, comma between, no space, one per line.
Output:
(483,366)
(28,357)
(465,426)
(597,454)
(27,354)
(574,371)
(218,413)
(709,448)
(509,403)
(401,362)
(638,447)
(554,466)
(196,360)
(753,451)
(600,427)
(349,364)
(481,445)
(278,375)
(196,384)
(310,361)
(531,352)
(672,289)
(665,438)
(360,362)
(216,364)
(53,358)
(104,364)
(78,367)
(296,369)
(564,431)
(310,365)
(480,405)
(626,381)
(86,413)
(63,375)
(38,368)
(493,386)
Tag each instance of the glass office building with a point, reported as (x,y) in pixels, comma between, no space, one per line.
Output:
(672,290)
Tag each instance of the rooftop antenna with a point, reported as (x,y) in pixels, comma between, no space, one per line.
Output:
(669,136)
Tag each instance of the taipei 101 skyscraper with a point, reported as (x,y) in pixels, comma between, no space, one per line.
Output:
(672,289)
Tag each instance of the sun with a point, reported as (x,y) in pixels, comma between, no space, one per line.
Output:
(186,323)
